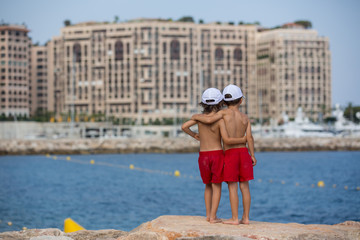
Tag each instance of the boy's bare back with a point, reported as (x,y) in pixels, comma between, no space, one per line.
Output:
(236,124)
(210,138)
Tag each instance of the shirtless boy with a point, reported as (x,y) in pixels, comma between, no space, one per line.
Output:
(238,163)
(211,157)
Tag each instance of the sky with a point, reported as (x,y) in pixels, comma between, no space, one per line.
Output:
(336,19)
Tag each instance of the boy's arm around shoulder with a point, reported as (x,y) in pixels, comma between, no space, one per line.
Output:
(250,140)
(225,136)
(208,119)
(186,128)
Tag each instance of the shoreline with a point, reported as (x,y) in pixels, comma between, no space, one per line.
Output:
(165,145)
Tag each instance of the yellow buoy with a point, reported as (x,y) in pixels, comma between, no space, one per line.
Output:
(71,226)
(297,184)
(92,161)
(131,166)
(358,188)
(282,182)
(177,173)
(47,155)
(334,185)
(9,223)
(321,184)
(270,181)
(54,157)
(24,228)
(68,158)
(346,187)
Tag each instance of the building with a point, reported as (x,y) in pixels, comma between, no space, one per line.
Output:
(40,90)
(293,70)
(148,70)
(15,48)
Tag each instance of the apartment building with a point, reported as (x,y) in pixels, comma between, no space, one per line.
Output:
(14,70)
(147,69)
(39,85)
(293,70)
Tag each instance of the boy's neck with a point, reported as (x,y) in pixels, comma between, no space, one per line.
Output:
(234,107)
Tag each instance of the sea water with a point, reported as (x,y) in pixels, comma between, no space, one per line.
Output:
(121,191)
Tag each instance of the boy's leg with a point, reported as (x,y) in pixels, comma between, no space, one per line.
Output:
(246,199)
(216,195)
(208,198)
(234,203)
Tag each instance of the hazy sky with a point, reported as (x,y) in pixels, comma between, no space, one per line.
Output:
(337,19)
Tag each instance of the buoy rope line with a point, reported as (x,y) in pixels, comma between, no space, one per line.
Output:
(176,173)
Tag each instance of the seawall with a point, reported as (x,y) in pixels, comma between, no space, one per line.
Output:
(165,145)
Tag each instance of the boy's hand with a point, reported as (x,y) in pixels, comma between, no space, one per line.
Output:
(254,160)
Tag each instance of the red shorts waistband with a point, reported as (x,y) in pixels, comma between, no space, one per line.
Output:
(206,153)
(243,149)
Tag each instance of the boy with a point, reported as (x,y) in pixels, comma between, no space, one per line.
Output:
(211,158)
(238,163)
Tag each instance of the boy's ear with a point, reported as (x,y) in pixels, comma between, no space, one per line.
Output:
(241,99)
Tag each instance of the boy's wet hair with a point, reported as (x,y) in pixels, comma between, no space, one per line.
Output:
(233,102)
(211,108)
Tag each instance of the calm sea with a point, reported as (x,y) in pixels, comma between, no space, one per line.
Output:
(40,192)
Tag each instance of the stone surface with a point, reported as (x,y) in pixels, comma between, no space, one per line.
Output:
(197,228)
(165,145)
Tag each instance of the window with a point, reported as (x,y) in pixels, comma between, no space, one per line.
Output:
(174,50)
(119,51)
(219,54)
(237,54)
(77,52)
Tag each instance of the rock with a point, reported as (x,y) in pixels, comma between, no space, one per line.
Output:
(195,227)
(108,234)
(30,233)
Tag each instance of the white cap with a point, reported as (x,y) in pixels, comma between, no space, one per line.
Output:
(234,91)
(212,96)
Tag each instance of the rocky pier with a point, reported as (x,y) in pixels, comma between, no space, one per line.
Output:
(165,145)
(197,228)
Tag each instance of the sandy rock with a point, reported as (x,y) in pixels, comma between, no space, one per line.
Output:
(30,233)
(108,234)
(194,227)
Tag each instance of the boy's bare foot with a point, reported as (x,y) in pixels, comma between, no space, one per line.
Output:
(231,221)
(208,219)
(242,221)
(216,220)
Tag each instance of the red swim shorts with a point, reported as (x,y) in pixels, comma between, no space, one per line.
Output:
(211,165)
(238,165)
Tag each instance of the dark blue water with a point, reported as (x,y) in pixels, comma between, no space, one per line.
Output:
(40,192)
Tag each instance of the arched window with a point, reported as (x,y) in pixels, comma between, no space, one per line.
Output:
(237,54)
(219,54)
(174,50)
(77,52)
(119,51)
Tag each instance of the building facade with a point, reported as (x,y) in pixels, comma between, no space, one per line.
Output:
(15,48)
(148,70)
(293,70)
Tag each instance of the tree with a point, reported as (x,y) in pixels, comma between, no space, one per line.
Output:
(231,23)
(186,19)
(241,23)
(350,113)
(67,22)
(201,21)
(116,19)
(305,23)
